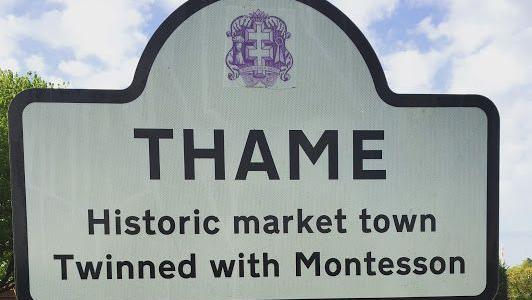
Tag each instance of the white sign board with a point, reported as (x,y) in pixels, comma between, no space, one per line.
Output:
(258,154)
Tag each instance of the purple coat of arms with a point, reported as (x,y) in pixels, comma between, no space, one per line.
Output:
(259,54)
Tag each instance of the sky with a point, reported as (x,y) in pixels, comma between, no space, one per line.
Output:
(425,46)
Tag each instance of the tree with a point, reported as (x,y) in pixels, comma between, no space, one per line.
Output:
(10,85)
(520,281)
(527,263)
(502,293)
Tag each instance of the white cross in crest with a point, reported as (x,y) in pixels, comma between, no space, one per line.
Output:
(260,52)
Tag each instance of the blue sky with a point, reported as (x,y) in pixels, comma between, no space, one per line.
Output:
(425,46)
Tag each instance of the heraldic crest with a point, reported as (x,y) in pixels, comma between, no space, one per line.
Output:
(259,54)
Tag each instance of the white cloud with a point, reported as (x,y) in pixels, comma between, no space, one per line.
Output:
(8,43)
(411,71)
(106,29)
(75,68)
(488,43)
(471,24)
(493,70)
(35,63)
(107,33)
(366,12)
(118,75)
(9,63)
(363,12)
(170,5)
(6,5)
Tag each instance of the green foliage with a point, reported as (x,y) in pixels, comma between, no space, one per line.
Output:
(520,281)
(502,293)
(527,263)
(10,85)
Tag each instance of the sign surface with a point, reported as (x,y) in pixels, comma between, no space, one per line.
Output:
(258,154)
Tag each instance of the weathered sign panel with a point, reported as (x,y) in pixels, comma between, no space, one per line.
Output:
(258,154)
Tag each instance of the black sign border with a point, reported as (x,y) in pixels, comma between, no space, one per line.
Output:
(137,86)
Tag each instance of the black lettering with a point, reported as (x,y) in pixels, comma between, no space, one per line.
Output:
(271,224)
(167,269)
(89,269)
(109,266)
(257,137)
(376,223)
(330,270)
(404,222)
(253,261)
(247,223)
(314,259)
(206,226)
(63,259)
(365,217)
(303,223)
(432,219)
(148,218)
(191,153)
(339,221)
(153,136)
(349,262)
(222,267)
(286,221)
(149,264)
(94,221)
(133,227)
(385,266)
(329,139)
(369,260)
(419,263)
(404,267)
(120,266)
(118,222)
(182,221)
(458,259)
(266,262)
(323,223)
(359,154)
(190,264)
(441,262)
(171,225)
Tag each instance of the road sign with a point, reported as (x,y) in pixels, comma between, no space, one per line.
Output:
(257,154)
